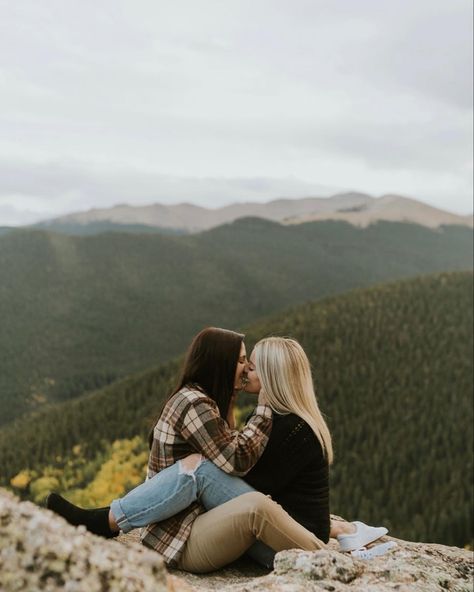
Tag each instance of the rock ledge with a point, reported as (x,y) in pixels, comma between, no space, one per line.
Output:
(40,551)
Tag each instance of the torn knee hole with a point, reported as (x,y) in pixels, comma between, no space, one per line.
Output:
(189,464)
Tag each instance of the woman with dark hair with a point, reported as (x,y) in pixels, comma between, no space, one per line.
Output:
(238,515)
(215,363)
(193,420)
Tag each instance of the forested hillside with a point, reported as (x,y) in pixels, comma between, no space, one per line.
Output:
(79,312)
(393,370)
(77,229)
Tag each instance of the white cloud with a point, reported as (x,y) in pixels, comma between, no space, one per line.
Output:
(376,94)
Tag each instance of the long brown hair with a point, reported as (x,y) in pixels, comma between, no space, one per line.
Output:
(210,365)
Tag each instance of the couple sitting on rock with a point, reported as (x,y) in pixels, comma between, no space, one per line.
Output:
(214,493)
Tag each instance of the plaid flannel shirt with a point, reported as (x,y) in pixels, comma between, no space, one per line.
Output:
(190,422)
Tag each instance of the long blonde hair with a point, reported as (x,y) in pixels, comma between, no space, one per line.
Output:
(285,376)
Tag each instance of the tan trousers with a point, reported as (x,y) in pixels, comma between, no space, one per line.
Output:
(223,534)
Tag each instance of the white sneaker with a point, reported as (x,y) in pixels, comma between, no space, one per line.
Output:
(362,536)
(373,552)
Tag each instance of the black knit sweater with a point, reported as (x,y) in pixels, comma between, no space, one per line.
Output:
(293,470)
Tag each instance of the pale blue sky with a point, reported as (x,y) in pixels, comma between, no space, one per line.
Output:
(217,101)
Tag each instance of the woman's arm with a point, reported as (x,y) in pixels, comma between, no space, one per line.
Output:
(235,452)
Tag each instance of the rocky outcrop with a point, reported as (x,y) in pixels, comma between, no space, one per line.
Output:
(410,567)
(39,551)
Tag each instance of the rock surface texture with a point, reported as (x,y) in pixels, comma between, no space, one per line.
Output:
(39,551)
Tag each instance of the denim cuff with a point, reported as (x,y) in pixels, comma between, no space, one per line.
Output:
(120,518)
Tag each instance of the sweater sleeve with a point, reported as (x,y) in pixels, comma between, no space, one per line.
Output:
(235,452)
(283,459)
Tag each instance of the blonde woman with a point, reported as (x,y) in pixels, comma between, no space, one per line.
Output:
(293,469)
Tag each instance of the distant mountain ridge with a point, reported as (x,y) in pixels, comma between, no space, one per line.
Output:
(359,209)
(391,208)
(79,311)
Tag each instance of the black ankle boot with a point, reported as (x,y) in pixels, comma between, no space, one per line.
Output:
(96,520)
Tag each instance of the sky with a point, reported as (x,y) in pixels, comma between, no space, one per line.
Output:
(217,101)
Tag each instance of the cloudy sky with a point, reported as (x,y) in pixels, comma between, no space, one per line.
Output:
(141,101)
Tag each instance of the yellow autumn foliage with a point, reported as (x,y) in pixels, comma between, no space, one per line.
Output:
(40,488)
(88,482)
(21,480)
(120,473)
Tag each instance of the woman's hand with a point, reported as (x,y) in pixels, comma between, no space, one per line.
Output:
(230,413)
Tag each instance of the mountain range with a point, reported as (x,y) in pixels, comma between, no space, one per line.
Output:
(78,312)
(356,208)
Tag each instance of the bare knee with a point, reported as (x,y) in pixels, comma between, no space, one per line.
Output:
(190,463)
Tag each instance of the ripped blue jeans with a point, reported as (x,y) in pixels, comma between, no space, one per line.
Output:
(174,489)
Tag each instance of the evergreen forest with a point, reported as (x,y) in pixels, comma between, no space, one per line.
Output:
(392,366)
(80,312)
